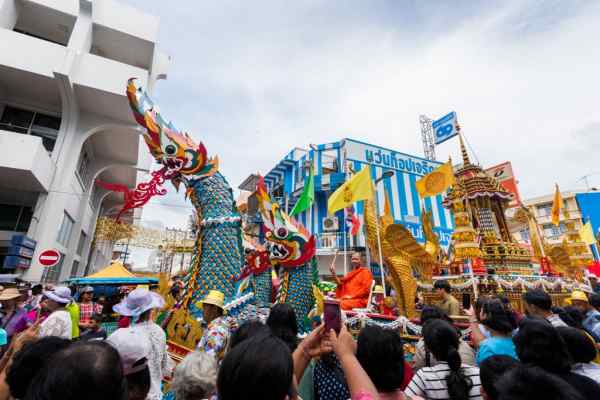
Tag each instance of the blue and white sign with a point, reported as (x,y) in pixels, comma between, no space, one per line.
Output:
(444,128)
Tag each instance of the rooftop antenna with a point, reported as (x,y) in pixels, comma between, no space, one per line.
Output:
(427,136)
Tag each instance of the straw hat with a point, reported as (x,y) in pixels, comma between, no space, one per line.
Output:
(139,301)
(61,294)
(378,289)
(577,295)
(10,294)
(214,297)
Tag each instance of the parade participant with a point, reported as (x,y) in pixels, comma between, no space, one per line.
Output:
(87,308)
(218,328)
(94,330)
(73,310)
(423,357)
(27,362)
(283,324)
(247,330)
(195,377)
(353,289)
(496,318)
(381,354)
(14,319)
(538,343)
(591,316)
(328,379)
(595,301)
(583,352)
(526,382)
(539,304)
(83,370)
(36,297)
(490,370)
(134,351)
(450,379)
(139,304)
(447,303)
(59,322)
(257,368)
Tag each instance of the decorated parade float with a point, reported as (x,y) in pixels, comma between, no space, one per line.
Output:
(483,257)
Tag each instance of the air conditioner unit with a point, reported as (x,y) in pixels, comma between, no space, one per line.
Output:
(330,224)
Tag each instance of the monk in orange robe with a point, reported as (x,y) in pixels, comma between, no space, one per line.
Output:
(354,288)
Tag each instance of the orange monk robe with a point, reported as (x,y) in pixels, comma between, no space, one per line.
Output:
(354,289)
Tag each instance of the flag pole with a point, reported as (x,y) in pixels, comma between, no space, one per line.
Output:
(345,245)
(379,237)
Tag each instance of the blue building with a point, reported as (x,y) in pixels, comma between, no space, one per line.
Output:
(286,181)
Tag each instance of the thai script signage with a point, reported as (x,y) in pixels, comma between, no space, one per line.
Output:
(386,158)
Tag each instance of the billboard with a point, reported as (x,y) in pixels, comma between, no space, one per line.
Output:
(504,174)
(444,128)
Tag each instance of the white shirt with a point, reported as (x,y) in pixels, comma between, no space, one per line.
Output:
(430,382)
(591,370)
(57,324)
(159,361)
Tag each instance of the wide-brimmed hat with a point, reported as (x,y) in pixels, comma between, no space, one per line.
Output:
(133,349)
(579,295)
(10,294)
(60,294)
(87,289)
(378,289)
(139,301)
(214,297)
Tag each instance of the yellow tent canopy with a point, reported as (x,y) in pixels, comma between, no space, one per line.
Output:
(115,273)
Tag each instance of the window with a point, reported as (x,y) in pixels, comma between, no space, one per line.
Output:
(553,231)
(544,210)
(65,230)
(15,218)
(329,162)
(525,235)
(83,167)
(74,269)
(31,123)
(81,244)
(53,273)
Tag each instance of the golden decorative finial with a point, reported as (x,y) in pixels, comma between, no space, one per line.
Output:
(463,149)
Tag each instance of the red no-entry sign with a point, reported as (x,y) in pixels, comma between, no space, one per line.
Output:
(49,258)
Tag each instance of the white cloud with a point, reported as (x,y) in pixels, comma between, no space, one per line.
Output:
(253,81)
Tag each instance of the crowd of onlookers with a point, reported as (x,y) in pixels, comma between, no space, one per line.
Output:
(546,353)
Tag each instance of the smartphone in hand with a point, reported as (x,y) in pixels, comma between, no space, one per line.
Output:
(332,314)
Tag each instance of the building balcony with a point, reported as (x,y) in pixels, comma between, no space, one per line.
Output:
(331,242)
(27,53)
(24,163)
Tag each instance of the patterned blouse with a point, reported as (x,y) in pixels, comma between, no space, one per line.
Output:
(216,338)
(86,310)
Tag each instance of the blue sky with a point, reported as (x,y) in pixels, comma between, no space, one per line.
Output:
(254,79)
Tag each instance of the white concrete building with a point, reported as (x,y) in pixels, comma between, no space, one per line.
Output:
(65,121)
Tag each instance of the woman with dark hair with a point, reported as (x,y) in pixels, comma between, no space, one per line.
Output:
(381,354)
(529,382)
(283,324)
(246,331)
(583,352)
(450,379)
(423,357)
(496,318)
(257,368)
(29,361)
(538,343)
(83,370)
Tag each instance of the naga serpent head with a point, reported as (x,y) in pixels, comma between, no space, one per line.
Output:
(181,157)
(288,242)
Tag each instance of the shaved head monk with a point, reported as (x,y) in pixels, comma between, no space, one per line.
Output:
(354,288)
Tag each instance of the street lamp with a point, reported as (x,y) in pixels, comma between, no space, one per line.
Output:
(386,174)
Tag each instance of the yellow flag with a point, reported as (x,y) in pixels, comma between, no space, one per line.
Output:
(556,206)
(587,234)
(436,181)
(359,187)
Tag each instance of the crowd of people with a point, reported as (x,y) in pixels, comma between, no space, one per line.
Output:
(56,349)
